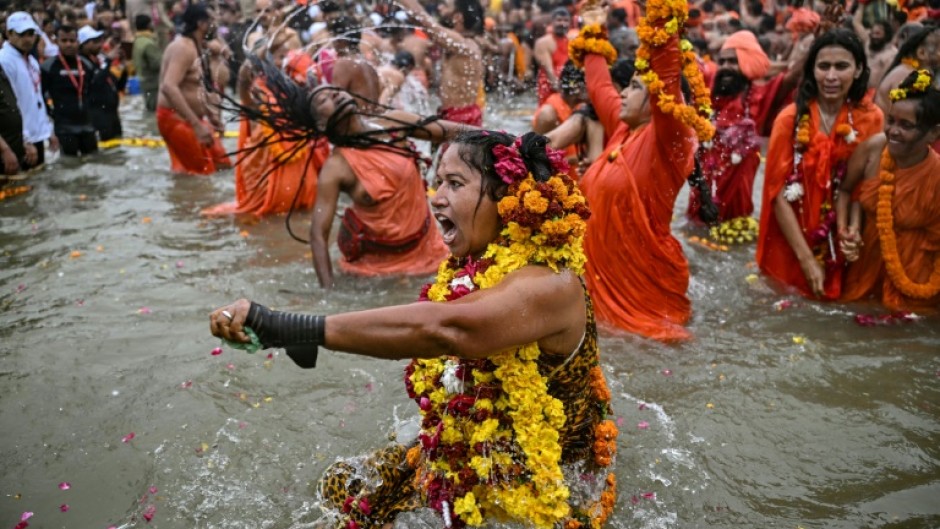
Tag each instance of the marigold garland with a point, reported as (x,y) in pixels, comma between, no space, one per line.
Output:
(920,85)
(591,39)
(653,32)
(889,243)
(490,428)
(11,192)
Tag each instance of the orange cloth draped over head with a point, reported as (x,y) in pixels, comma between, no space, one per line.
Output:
(401,209)
(636,272)
(916,214)
(752,60)
(803,20)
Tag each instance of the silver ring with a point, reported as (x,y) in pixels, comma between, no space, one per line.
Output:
(228,315)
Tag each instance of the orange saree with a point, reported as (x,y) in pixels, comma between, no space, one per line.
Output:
(400,212)
(825,157)
(916,212)
(636,272)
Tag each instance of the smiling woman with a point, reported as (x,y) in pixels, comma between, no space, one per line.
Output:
(505,373)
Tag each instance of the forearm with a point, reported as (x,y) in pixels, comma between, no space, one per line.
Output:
(321,257)
(790,226)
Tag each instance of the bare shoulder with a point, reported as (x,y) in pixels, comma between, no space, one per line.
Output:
(543,285)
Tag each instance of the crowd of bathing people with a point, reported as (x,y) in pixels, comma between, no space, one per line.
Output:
(564,224)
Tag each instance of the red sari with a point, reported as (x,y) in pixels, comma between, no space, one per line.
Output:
(636,272)
(824,158)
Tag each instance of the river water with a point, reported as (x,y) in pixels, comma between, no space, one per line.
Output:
(769,418)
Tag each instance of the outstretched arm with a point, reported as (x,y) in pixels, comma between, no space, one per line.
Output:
(474,326)
(437,131)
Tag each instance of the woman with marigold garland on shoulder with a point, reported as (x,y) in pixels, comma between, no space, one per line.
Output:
(637,273)
(506,373)
(897,258)
(807,157)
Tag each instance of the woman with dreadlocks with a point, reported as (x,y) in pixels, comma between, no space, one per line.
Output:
(273,174)
(513,405)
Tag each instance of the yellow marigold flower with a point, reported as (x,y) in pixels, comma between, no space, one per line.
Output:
(485,431)
(672,27)
(468,510)
(641,64)
(923,81)
(507,204)
(897,94)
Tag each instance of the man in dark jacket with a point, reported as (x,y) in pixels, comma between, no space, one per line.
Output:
(67,80)
(104,97)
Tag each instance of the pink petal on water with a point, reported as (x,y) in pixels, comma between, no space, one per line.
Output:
(127,438)
(179,264)
(642,406)
(270,356)
(649,495)
(667,372)
(634,500)
(144,310)
(149,512)
(65,485)
(64,507)
(26,516)
(153,490)
(230,366)
(217,351)
(186,385)
(369,387)
(643,425)
(242,425)
(620,421)
(21,287)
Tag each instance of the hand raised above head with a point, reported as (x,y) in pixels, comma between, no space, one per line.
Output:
(228,322)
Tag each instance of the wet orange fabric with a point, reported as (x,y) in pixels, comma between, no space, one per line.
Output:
(774,255)
(187,155)
(263,184)
(468,114)
(636,272)
(401,209)
(917,229)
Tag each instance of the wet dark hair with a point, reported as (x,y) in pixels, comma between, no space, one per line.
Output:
(928,102)
(476,150)
(621,71)
(195,13)
(472,13)
(404,59)
(65,29)
(289,112)
(847,40)
(909,47)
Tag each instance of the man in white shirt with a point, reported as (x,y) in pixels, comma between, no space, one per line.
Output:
(25,77)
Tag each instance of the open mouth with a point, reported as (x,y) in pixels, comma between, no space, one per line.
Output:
(448,228)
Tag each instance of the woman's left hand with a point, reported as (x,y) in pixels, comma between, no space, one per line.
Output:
(228,322)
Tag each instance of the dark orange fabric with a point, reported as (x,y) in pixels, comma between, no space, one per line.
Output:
(187,155)
(916,211)
(774,255)
(636,272)
(559,58)
(401,209)
(563,111)
(265,186)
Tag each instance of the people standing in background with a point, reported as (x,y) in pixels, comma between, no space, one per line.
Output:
(25,77)
(147,57)
(105,96)
(66,80)
(551,54)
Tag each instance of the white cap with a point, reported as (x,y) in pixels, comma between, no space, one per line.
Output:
(88,33)
(21,22)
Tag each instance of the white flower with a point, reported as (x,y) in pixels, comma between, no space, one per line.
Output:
(466,281)
(793,192)
(707,144)
(735,158)
(449,378)
(851,137)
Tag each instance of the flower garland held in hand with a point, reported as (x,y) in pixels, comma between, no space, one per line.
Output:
(591,39)
(490,441)
(889,242)
(665,18)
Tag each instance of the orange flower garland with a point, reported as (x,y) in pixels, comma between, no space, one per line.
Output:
(591,39)
(13,191)
(889,243)
(654,32)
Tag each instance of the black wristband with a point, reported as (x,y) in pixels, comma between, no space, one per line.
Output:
(299,334)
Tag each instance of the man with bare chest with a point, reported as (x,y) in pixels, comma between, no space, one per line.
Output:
(183,114)
(462,67)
